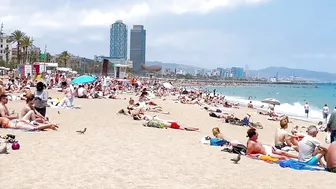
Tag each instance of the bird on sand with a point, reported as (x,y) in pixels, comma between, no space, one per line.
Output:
(81,132)
(236,160)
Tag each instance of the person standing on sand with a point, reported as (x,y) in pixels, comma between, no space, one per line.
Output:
(331,127)
(331,158)
(306,107)
(325,112)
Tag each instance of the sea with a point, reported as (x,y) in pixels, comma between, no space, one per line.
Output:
(292,97)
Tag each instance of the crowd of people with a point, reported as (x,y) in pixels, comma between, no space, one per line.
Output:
(303,147)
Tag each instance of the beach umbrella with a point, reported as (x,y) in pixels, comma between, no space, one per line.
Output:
(167,85)
(83,79)
(271,101)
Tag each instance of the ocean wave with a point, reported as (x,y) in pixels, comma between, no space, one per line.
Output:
(295,110)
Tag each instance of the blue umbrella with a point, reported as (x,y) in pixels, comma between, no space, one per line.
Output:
(83,79)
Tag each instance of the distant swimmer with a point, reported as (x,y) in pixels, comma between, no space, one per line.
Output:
(306,107)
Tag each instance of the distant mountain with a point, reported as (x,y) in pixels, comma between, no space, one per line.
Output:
(172,66)
(288,72)
(282,72)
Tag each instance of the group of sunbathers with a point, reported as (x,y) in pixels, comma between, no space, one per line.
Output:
(306,148)
(138,112)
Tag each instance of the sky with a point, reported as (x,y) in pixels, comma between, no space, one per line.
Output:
(202,33)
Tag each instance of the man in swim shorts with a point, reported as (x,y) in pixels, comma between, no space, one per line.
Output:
(308,146)
(256,149)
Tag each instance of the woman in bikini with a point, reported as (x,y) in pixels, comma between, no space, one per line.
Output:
(29,113)
(22,124)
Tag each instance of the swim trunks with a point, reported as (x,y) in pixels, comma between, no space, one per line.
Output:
(332,170)
(306,111)
(174,125)
(279,147)
(268,150)
(313,161)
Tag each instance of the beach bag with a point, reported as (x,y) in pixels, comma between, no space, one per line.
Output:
(239,149)
(327,138)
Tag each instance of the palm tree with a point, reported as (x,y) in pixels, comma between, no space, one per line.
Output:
(17,37)
(7,51)
(26,43)
(64,57)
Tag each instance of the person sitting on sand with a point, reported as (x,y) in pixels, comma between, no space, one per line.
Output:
(217,134)
(255,148)
(331,158)
(21,124)
(29,113)
(4,112)
(250,105)
(167,123)
(69,97)
(282,137)
(310,149)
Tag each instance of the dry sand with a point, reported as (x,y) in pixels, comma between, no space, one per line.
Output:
(117,152)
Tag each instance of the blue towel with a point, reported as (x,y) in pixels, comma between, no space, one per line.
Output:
(217,142)
(293,164)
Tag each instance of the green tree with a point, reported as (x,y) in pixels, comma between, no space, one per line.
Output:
(26,43)
(64,58)
(7,51)
(17,37)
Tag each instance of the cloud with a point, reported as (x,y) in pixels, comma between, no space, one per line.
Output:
(70,16)
(205,47)
(79,24)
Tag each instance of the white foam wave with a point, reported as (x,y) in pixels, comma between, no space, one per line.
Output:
(295,110)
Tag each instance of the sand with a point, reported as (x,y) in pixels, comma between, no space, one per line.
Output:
(118,152)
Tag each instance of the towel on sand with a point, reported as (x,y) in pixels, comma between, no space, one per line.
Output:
(293,164)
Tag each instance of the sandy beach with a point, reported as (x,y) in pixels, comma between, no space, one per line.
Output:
(118,152)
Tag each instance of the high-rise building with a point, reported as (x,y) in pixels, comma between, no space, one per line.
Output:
(238,73)
(138,46)
(118,40)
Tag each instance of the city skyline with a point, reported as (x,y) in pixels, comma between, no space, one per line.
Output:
(202,33)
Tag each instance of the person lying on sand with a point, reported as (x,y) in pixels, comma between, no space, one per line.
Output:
(29,113)
(282,139)
(21,124)
(255,148)
(166,123)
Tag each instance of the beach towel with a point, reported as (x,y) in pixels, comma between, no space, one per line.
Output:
(268,159)
(217,142)
(293,164)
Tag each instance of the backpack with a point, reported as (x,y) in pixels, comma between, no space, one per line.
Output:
(239,149)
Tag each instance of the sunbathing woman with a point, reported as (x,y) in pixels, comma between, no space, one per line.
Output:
(165,123)
(21,124)
(29,113)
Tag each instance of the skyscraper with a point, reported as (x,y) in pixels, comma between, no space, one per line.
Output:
(138,46)
(118,40)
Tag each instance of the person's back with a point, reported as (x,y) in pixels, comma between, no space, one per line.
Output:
(307,147)
(331,157)
(280,137)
